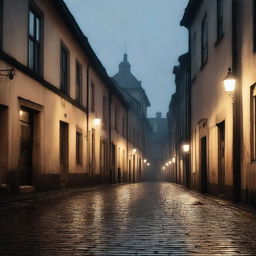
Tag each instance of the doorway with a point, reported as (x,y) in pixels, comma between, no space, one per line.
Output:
(221,158)
(204,175)
(3,142)
(63,150)
(113,164)
(133,168)
(26,147)
(129,167)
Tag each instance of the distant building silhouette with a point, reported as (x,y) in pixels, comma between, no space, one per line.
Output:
(138,127)
(158,149)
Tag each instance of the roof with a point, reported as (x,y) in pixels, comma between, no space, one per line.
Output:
(190,12)
(127,80)
(82,40)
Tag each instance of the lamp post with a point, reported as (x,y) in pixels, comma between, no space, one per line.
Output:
(7,73)
(230,87)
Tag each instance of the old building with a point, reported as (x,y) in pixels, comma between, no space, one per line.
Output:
(222,47)
(63,120)
(211,47)
(138,125)
(158,150)
(179,120)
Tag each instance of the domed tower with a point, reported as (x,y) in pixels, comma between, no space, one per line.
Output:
(128,82)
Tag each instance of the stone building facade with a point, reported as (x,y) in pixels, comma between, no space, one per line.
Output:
(222,145)
(179,119)
(63,120)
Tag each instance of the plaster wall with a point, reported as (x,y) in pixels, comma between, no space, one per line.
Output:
(209,101)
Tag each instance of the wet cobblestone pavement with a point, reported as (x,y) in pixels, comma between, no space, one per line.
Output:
(133,219)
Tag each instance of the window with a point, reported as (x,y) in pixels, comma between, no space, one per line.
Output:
(194,56)
(105,109)
(204,46)
(92,96)
(64,70)
(220,29)
(123,126)
(78,148)
(1,22)
(34,41)
(78,82)
(116,118)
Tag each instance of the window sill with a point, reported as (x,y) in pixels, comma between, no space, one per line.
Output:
(203,64)
(219,40)
(194,79)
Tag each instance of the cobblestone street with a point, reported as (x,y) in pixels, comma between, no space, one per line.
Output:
(133,219)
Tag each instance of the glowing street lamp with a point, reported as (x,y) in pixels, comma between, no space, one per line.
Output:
(186,148)
(145,161)
(230,83)
(97,121)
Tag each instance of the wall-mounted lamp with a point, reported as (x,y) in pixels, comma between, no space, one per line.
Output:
(97,121)
(8,73)
(174,160)
(145,160)
(186,148)
(167,164)
(230,83)
(163,168)
(134,151)
(148,164)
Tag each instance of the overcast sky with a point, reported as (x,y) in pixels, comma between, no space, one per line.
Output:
(148,29)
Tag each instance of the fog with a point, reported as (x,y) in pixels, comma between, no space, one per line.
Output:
(148,30)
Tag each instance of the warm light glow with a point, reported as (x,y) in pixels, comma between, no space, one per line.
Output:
(97,121)
(230,85)
(21,112)
(148,164)
(134,150)
(145,160)
(167,164)
(230,82)
(163,168)
(186,148)
(173,160)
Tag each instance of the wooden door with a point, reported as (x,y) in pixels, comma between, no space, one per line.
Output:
(221,171)
(63,149)
(26,147)
(204,172)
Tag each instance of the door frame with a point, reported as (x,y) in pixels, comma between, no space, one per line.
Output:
(35,109)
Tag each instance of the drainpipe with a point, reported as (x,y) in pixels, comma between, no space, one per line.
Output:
(236,109)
